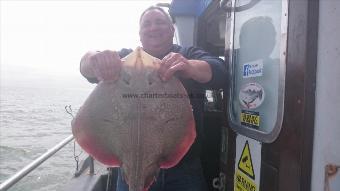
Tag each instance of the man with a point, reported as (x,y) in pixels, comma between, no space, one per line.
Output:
(195,68)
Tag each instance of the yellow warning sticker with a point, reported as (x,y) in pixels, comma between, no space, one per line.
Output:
(250,119)
(245,163)
(243,183)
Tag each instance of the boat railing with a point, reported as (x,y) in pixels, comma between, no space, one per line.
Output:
(33,165)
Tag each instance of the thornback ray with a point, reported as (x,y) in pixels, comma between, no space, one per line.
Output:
(137,122)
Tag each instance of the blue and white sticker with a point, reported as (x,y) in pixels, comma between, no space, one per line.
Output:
(251,95)
(253,69)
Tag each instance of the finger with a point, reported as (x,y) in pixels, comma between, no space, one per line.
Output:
(164,64)
(115,60)
(95,67)
(107,66)
(110,72)
(179,66)
(100,65)
(97,74)
(116,65)
(170,60)
(94,62)
(173,58)
(166,57)
(111,65)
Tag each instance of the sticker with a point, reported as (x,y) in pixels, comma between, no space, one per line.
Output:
(253,69)
(251,95)
(243,183)
(250,119)
(245,163)
(247,169)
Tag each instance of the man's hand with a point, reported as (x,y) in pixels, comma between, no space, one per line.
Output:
(195,69)
(105,65)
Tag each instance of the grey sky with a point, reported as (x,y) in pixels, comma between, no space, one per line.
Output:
(44,40)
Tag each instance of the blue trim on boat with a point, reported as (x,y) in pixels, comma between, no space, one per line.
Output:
(188,7)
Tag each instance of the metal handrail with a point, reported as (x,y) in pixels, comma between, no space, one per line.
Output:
(30,167)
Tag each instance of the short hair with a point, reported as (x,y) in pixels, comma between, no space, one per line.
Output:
(156,8)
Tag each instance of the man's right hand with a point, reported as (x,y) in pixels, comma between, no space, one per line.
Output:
(105,65)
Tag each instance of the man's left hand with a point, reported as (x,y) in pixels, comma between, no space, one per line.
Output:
(172,63)
(198,70)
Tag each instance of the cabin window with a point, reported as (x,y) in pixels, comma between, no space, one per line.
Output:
(257,66)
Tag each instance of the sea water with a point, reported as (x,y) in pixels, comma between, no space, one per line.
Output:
(32,120)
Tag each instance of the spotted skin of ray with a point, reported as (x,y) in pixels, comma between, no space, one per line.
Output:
(141,134)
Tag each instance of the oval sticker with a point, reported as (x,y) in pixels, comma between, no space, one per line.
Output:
(251,95)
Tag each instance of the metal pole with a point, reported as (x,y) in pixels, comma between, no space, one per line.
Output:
(91,165)
(30,167)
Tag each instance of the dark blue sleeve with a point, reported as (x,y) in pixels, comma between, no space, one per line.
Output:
(122,53)
(218,68)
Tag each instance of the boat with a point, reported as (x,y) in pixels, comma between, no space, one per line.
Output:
(277,143)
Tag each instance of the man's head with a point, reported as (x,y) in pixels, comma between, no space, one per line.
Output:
(156,31)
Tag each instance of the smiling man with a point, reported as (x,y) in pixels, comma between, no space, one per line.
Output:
(194,67)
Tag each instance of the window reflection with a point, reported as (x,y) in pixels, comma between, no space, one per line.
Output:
(256,66)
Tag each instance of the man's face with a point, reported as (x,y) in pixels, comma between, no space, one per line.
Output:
(156,31)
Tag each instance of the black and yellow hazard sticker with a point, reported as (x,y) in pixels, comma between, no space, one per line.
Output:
(245,164)
(250,119)
(244,175)
(243,182)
